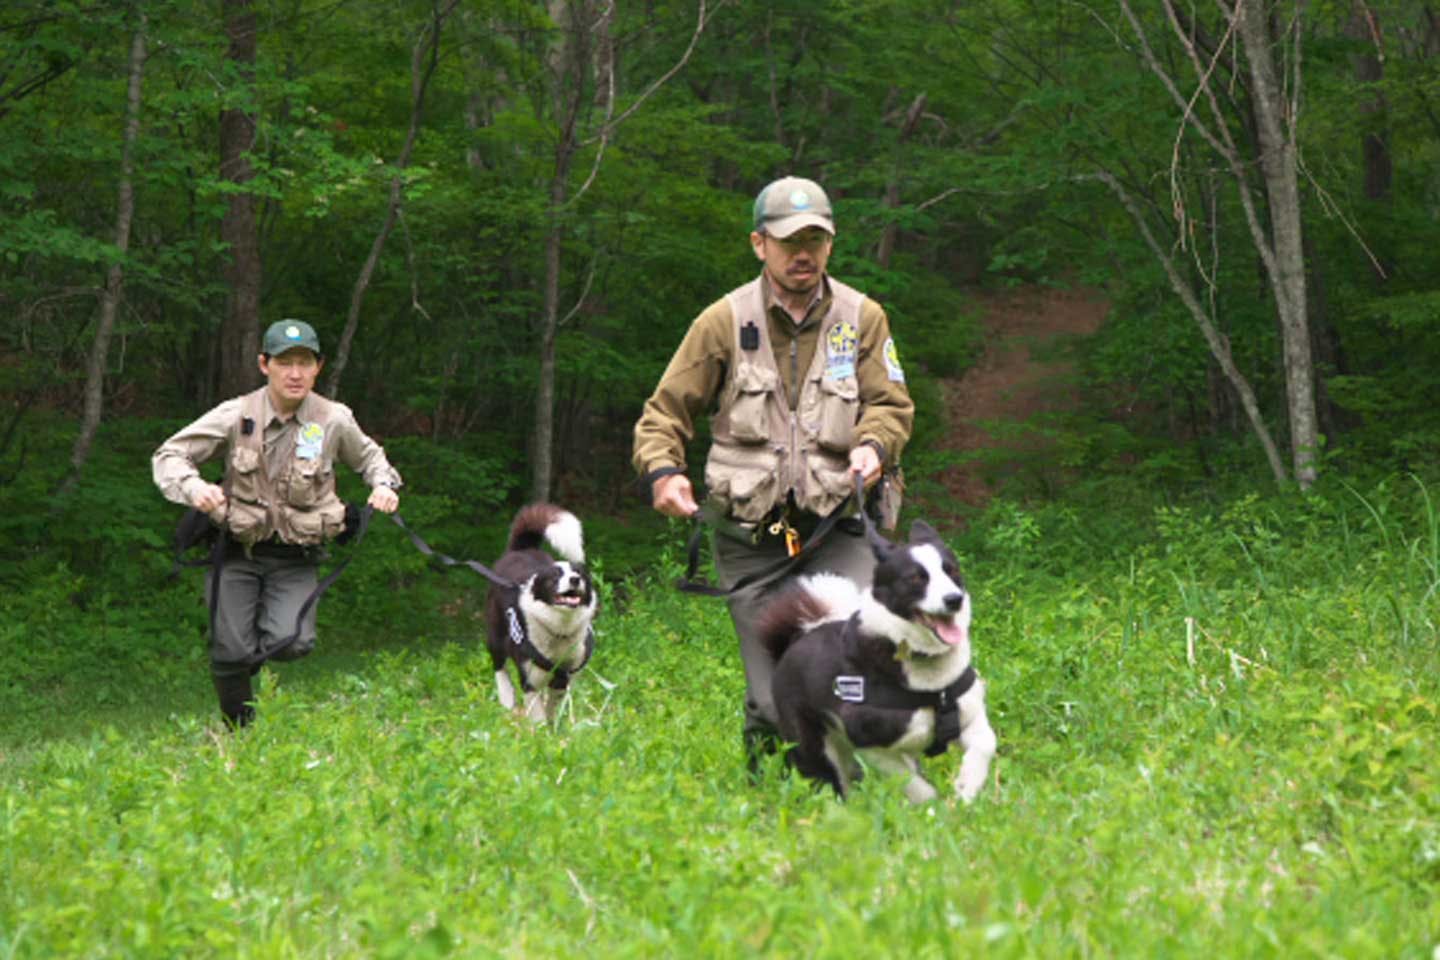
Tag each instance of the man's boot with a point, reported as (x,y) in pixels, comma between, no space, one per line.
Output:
(235,696)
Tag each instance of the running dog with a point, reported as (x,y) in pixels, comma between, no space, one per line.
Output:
(543,623)
(884,673)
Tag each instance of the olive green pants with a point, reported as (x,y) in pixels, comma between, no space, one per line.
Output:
(844,552)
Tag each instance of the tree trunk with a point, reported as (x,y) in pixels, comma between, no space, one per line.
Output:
(1219,346)
(575,60)
(420,74)
(1364,27)
(110,299)
(569,69)
(240,328)
(892,187)
(543,435)
(1275,121)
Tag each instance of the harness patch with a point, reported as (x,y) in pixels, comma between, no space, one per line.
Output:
(517,629)
(851,689)
(892,361)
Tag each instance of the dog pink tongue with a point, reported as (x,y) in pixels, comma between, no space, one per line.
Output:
(949,631)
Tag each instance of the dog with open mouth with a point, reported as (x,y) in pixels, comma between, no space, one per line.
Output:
(544,623)
(884,674)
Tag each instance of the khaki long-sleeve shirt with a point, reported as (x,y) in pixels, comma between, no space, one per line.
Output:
(175,465)
(691,383)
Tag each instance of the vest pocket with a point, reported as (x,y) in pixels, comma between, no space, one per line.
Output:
(309,527)
(838,414)
(750,410)
(308,483)
(744,482)
(828,481)
(244,515)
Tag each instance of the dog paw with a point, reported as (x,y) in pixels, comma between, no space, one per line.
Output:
(919,790)
(968,785)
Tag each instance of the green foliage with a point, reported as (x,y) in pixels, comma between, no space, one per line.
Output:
(1215,739)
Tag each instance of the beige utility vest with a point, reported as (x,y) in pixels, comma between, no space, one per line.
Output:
(762,450)
(299,502)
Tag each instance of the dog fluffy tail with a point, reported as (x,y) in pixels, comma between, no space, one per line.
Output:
(542,523)
(810,602)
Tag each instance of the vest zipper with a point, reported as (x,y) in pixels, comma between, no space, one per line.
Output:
(796,458)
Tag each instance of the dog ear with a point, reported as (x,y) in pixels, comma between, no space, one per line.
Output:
(922,532)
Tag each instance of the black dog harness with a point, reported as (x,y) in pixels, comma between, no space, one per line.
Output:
(888,694)
(520,637)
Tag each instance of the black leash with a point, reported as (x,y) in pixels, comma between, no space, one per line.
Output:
(688,583)
(504,583)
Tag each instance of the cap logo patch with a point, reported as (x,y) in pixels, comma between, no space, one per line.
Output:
(292,332)
(800,200)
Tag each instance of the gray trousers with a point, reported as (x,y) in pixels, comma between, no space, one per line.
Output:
(260,597)
(843,551)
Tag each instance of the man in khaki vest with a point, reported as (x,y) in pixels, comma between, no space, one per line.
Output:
(804,388)
(277,503)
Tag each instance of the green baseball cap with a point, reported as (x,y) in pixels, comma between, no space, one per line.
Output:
(790,204)
(287,335)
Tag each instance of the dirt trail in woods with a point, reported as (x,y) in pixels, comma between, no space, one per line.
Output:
(1009,383)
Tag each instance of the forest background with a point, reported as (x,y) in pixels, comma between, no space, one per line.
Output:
(502,216)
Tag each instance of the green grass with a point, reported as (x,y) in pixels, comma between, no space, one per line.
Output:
(1217,727)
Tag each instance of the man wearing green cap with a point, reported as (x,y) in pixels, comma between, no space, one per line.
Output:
(804,389)
(277,503)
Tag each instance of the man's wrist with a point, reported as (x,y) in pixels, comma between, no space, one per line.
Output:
(875,445)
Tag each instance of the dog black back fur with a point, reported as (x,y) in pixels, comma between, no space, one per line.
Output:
(543,624)
(883,672)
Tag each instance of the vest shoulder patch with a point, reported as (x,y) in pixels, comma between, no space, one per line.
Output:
(892,361)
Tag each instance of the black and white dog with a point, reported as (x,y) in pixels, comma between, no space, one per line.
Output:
(884,673)
(544,622)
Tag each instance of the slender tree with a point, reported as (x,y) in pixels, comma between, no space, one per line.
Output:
(584,58)
(1274,113)
(239,340)
(114,277)
(1277,118)
(424,57)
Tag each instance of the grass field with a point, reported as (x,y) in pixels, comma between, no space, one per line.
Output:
(1217,739)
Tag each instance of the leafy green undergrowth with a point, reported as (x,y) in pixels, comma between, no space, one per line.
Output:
(1217,738)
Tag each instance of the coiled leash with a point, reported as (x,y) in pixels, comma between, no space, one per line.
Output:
(799,553)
